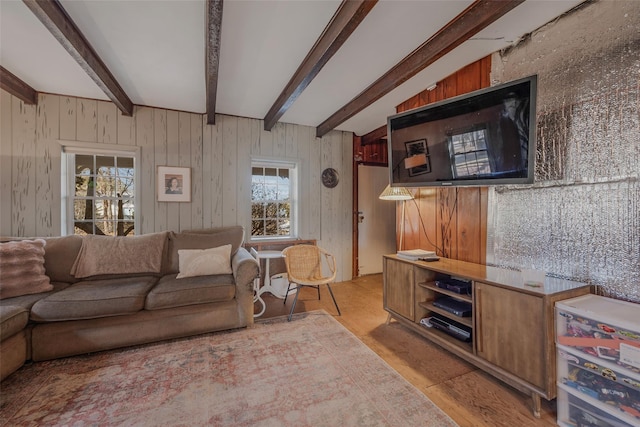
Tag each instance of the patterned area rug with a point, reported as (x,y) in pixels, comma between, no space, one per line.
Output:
(308,372)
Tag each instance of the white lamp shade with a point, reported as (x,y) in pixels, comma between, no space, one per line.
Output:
(395,193)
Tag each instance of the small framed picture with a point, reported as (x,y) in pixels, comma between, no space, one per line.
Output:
(174,184)
(417,161)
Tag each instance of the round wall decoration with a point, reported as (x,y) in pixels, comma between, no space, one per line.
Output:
(330,177)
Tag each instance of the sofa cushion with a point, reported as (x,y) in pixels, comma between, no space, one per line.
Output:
(172,292)
(13,319)
(94,298)
(22,268)
(27,301)
(109,255)
(59,256)
(233,235)
(204,262)
(201,239)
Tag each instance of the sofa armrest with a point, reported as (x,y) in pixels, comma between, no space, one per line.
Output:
(245,269)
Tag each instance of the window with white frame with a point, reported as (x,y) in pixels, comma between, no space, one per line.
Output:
(273,199)
(99,192)
(469,152)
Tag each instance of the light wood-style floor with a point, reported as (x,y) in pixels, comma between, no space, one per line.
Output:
(466,394)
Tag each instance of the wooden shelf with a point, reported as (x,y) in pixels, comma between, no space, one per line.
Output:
(464,320)
(434,288)
(441,337)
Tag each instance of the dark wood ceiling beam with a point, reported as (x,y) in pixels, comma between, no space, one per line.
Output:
(349,15)
(214,26)
(16,87)
(476,17)
(55,18)
(376,136)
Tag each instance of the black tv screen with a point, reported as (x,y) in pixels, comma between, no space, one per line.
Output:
(486,137)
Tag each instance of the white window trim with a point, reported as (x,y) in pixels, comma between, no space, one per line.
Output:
(294,166)
(67,185)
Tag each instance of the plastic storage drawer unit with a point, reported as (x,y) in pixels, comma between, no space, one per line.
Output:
(606,385)
(598,362)
(601,327)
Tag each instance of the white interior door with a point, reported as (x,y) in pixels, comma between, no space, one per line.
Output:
(377,226)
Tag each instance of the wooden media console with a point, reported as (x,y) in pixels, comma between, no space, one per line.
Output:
(511,321)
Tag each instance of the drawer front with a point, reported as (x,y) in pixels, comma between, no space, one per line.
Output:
(575,410)
(610,385)
(611,335)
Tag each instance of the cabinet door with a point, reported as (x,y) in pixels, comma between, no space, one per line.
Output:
(398,288)
(510,331)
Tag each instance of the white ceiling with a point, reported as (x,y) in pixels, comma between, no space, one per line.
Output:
(156,51)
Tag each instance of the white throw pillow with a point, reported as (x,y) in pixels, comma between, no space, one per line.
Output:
(204,262)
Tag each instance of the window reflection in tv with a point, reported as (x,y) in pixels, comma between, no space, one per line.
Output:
(468,150)
(483,138)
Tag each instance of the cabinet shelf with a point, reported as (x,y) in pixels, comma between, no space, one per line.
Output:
(434,288)
(464,320)
(444,339)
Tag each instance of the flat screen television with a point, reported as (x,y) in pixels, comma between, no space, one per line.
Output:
(486,137)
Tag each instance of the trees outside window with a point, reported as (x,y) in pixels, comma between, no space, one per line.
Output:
(272,210)
(102,196)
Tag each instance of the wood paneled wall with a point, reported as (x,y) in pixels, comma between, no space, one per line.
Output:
(375,154)
(451,220)
(219,157)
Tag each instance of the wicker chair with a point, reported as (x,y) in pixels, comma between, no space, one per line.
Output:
(304,268)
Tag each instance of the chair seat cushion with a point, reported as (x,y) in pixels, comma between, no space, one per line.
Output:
(172,292)
(93,299)
(13,319)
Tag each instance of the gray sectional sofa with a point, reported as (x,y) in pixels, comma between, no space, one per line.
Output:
(111,292)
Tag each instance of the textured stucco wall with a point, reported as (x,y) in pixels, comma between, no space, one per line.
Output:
(581,218)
